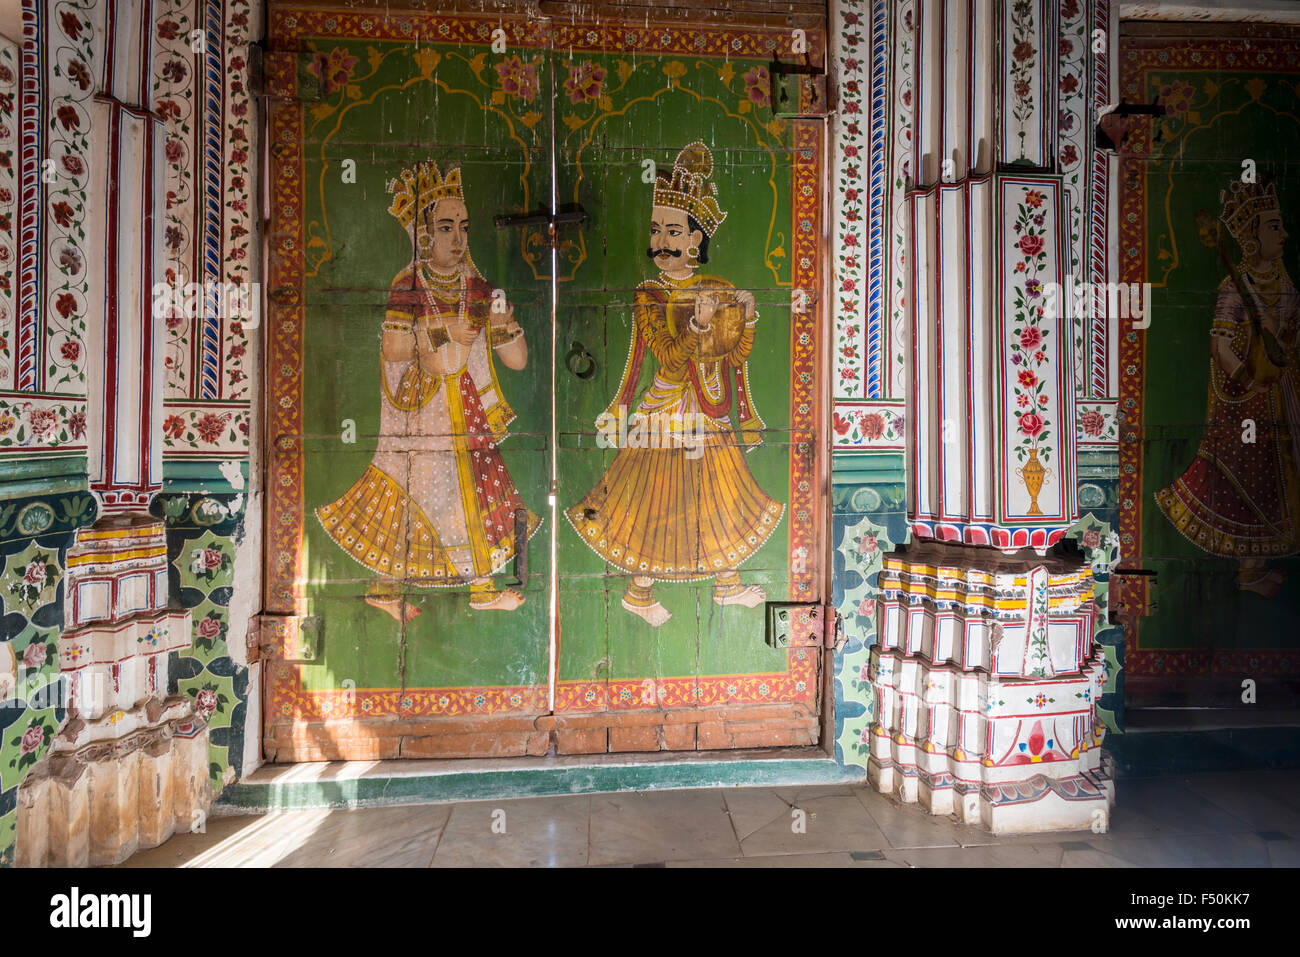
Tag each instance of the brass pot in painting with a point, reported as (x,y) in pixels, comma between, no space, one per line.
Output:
(725,327)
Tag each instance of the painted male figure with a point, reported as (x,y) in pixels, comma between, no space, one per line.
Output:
(674,513)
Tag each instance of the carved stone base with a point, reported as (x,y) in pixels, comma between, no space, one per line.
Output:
(1022,805)
(986,679)
(104,801)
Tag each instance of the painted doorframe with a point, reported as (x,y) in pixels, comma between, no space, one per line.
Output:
(817,494)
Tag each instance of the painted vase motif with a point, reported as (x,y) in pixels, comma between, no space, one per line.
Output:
(1033,473)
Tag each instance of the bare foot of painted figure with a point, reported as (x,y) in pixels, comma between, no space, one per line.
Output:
(640,601)
(489,599)
(399,608)
(728,590)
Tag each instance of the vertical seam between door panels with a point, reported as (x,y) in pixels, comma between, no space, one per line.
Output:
(553,662)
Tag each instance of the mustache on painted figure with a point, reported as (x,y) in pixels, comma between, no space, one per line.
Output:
(656,253)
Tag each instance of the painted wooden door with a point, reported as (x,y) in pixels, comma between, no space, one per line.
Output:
(411,443)
(686,467)
(1209,488)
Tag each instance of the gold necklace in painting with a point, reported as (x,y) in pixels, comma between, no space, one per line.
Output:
(442,290)
(1266,283)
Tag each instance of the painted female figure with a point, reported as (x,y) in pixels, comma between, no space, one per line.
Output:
(1240,497)
(436,507)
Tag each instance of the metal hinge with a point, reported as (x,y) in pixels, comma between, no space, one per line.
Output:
(804,625)
(798,91)
(288,637)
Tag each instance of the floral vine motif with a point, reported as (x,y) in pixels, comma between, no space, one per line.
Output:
(31,743)
(210,629)
(333,69)
(862,427)
(1037,649)
(519,79)
(209,561)
(38,654)
(851,217)
(757,86)
(1029,340)
(37,576)
(67,287)
(208,699)
(1023,57)
(1095,425)
(173,89)
(235,244)
(8,201)
(585,84)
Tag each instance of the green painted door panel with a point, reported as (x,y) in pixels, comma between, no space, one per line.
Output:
(395,477)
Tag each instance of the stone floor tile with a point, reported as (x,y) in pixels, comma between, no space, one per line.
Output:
(1283,853)
(908,825)
(366,837)
(753,808)
(539,832)
(1250,799)
(372,837)
(808,792)
(1186,850)
(643,827)
(982,855)
(830,823)
(831,859)
(184,847)
(1092,858)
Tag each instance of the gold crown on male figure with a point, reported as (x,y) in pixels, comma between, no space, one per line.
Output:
(416,190)
(688,187)
(1243,202)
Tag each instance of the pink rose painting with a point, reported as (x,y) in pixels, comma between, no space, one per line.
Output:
(34,655)
(1031,245)
(205,702)
(1031,424)
(43,422)
(1092,422)
(208,561)
(32,739)
(35,574)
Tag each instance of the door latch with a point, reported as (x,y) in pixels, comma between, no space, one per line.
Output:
(521,545)
(562,217)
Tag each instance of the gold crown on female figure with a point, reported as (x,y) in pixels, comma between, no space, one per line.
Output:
(688,187)
(418,189)
(1244,202)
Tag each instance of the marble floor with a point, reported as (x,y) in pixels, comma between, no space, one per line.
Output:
(1211,820)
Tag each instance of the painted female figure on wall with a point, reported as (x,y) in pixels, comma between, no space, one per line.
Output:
(685,507)
(437,506)
(1240,497)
